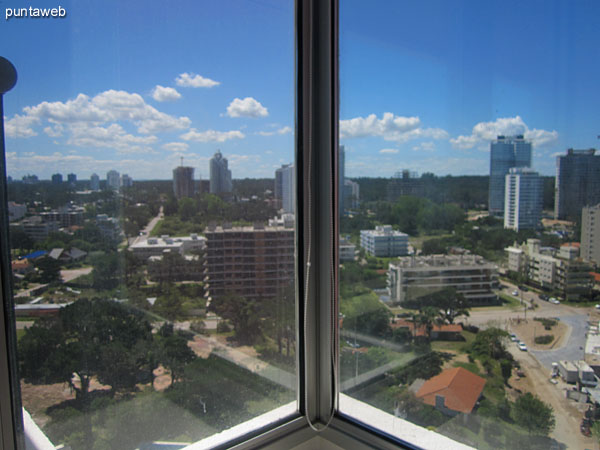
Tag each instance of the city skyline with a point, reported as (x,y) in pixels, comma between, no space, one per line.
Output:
(84,104)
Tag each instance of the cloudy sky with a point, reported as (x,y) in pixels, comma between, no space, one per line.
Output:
(136,85)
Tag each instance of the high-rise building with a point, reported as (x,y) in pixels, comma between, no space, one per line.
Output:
(285,186)
(126,181)
(577,183)
(95,182)
(351,194)
(30,179)
(523,199)
(183,182)
(220,175)
(342,177)
(113,180)
(590,233)
(57,178)
(505,152)
(71,178)
(251,262)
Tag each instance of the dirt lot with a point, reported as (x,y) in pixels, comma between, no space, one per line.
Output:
(526,330)
(568,413)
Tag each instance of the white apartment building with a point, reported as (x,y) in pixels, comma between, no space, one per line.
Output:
(155,246)
(523,199)
(590,234)
(560,270)
(383,241)
(347,250)
(471,275)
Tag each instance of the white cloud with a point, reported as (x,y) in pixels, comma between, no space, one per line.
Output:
(196,81)
(283,130)
(165,94)
(424,147)
(390,127)
(212,135)
(108,106)
(248,107)
(113,136)
(389,150)
(176,146)
(484,132)
(20,126)
(55,131)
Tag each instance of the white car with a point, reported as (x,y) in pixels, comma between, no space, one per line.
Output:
(513,337)
(522,347)
(554,301)
(515,293)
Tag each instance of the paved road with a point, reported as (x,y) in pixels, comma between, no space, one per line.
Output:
(71,274)
(148,229)
(575,346)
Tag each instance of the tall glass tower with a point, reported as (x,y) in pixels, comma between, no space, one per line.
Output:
(505,152)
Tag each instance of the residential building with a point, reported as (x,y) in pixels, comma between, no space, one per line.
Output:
(66,216)
(183,182)
(57,178)
(21,266)
(253,262)
(505,152)
(453,391)
(590,234)
(524,192)
(383,241)
(285,187)
(472,276)
(173,267)
(220,175)
(577,183)
(351,194)
(109,227)
(440,332)
(60,254)
(126,181)
(405,183)
(95,182)
(155,246)
(347,250)
(37,229)
(71,179)
(562,270)
(16,211)
(113,180)
(30,179)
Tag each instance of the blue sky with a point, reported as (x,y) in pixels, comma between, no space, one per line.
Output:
(135,85)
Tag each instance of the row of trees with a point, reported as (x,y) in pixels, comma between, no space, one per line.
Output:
(103,340)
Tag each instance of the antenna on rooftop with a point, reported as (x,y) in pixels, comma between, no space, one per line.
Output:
(182,161)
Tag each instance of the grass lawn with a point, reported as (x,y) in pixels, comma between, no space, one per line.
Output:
(456,346)
(417,241)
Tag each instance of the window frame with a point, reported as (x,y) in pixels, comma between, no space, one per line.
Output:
(316,165)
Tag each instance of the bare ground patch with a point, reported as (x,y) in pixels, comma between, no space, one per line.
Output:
(527,330)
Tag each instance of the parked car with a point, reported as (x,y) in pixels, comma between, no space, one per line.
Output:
(522,347)
(515,293)
(513,337)
(554,301)
(524,288)
(544,297)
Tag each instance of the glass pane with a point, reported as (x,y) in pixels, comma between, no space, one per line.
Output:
(467,220)
(151,190)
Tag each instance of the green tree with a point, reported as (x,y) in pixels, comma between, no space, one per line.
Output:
(174,353)
(107,270)
(533,414)
(87,339)
(242,313)
(49,270)
(490,343)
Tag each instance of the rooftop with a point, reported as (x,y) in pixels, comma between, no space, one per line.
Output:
(459,387)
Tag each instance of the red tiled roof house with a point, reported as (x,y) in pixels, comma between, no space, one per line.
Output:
(453,391)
